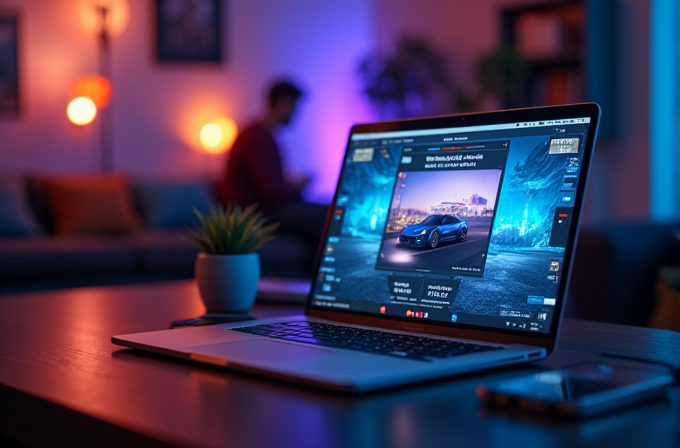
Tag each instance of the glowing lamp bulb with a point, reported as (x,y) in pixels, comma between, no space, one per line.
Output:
(218,135)
(211,136)
(81,111)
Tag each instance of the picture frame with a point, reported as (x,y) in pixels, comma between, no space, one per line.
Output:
(189,30)
(9,63)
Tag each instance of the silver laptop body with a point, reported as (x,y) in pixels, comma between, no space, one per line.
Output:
(458,228)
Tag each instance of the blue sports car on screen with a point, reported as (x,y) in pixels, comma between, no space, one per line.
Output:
(433,230)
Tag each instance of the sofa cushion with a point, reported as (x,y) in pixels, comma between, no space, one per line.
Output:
(81,254)
(16,217)
(170,203)
(164,249)
(91,204)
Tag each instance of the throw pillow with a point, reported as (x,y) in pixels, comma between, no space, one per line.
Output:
(91,204)
(171,203)
(16,217)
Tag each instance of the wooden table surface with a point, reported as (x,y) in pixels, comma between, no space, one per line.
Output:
(63,383)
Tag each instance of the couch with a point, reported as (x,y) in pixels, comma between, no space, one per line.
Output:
(60,231)
(613,279)
(616,269)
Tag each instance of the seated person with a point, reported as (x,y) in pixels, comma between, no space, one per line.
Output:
(254,172)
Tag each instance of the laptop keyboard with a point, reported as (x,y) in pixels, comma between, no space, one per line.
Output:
(370,341)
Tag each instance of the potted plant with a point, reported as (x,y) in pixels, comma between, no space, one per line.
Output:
(228,268)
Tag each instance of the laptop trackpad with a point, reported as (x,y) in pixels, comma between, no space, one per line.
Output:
(260,350)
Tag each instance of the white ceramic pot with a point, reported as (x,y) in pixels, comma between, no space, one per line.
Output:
(228,283)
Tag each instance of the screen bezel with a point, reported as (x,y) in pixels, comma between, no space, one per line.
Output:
(547,340)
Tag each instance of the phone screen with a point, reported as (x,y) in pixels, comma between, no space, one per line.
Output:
(582,389)
(558,385)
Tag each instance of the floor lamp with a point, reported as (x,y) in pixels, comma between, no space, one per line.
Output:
(108,19)
(106,156)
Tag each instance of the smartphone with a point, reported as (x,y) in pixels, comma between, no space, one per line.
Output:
(578,391)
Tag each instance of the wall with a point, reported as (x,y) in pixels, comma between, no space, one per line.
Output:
(460,30)
(158,109)
(51,52)
(621,172)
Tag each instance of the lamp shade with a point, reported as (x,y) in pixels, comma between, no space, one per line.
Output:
(95,87)
(117,16)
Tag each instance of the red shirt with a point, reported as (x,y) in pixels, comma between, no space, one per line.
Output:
(254,171)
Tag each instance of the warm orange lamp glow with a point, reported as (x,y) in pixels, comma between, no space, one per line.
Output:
(81,111)
(95,87)
(117,16)
(218,135)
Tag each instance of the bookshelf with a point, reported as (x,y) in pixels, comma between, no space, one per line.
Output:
(570,48)
(549,37)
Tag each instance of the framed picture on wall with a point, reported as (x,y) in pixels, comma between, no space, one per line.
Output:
(189,30)
(9,63)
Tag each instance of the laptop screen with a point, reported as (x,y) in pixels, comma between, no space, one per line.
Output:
(466,225)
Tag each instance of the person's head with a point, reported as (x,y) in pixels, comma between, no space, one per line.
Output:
(283,97)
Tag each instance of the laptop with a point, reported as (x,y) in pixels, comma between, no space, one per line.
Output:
(447,249)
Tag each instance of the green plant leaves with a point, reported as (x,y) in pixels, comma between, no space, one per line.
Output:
(231,231)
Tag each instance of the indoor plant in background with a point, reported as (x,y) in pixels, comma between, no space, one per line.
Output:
(412,80)
(501,76)
(228,268)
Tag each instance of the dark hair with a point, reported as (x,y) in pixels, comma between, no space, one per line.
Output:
(283,89)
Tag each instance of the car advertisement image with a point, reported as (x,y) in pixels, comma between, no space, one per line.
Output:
(440,221)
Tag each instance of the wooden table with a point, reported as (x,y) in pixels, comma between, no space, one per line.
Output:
(63,383)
